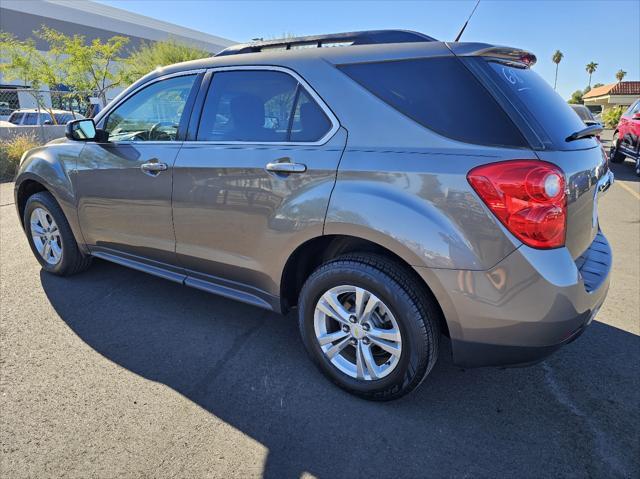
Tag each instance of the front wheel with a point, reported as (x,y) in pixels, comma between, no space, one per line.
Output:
(50,236)
(614,153)
(369,327)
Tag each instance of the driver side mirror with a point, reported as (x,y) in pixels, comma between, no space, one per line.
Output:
(81,130)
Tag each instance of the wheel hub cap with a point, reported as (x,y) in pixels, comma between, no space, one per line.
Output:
(46,236)
(357,332)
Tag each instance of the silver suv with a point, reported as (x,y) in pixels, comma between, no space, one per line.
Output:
(391,187)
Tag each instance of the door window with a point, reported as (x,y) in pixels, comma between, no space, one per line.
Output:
(152,114)
(30,119)
(260,106)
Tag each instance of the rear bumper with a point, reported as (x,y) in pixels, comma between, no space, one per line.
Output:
(525,307)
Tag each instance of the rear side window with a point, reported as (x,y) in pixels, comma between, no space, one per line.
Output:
(442,95)
(309,121)
(260,106)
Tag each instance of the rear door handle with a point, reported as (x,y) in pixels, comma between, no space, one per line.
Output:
(286,167)
(153,167)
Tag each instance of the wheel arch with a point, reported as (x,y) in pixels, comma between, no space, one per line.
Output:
(316,251)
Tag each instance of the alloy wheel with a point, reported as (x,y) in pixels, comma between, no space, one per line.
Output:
(46,236)
(357,332)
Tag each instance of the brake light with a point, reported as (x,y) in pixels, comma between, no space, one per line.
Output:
(528,197)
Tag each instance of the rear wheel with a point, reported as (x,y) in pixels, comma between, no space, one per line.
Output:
(368,327)
(615,156)
(50,236)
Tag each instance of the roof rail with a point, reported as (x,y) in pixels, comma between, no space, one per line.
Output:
(369,37)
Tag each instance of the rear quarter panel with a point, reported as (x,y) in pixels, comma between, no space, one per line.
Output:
(419,205)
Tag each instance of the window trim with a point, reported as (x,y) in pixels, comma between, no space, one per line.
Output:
(335,124)
(108,111)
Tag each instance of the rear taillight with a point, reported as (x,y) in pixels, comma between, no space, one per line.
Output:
(527,196)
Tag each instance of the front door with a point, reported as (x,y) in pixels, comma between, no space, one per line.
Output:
(124,184)
(255,180)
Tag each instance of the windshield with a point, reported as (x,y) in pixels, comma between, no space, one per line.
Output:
(540,104)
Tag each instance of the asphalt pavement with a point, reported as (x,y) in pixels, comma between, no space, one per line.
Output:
(114,373)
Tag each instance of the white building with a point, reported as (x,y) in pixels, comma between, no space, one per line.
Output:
(93,20)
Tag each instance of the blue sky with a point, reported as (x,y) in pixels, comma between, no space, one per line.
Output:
(606,32)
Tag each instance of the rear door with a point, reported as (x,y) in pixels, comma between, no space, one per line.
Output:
(125,183)
(253,181)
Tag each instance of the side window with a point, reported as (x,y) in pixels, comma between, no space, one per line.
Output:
(309,121)
(442,95)
(16,118)
(152,114)
(260,106)
(30,119)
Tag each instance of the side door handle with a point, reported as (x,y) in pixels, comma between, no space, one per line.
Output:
(285,166)
(153,167)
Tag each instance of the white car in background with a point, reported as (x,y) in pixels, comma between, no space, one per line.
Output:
(33,117)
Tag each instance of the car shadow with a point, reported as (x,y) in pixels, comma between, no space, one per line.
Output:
(576,413)
(625,171)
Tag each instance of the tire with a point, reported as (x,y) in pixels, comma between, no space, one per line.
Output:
(614,154)
(70,260)
(415,314)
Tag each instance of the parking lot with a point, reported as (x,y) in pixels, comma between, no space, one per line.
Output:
(114,373)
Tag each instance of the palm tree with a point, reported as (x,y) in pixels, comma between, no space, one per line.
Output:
(620,75)
(591,68)
(557,58)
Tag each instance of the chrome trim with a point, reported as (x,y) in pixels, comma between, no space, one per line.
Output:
(335,123)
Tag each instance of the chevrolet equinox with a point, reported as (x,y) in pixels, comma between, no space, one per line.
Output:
(390,187)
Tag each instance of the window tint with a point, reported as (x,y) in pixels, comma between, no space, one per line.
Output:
(309,121)
(260,106)
(532,95)
(30,119)
(442,95)
(152,114)
(16,118)
(248,106)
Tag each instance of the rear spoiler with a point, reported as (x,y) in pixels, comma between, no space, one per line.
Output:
(515,56)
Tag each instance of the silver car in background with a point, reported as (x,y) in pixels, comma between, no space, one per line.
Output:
(389,187)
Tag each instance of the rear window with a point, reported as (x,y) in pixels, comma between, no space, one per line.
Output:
(542,106)
(442,95)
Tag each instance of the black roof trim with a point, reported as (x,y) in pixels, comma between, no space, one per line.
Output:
(369,37)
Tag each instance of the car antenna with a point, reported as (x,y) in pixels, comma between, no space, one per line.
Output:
(465,23)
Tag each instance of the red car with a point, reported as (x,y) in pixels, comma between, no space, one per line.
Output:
(626,137)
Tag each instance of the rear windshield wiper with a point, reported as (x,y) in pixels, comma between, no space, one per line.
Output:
(592,130)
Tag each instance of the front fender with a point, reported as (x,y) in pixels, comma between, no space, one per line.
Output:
(52,166)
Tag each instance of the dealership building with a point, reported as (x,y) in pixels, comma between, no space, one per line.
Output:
(93,20)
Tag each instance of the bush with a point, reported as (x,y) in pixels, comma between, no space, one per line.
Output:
(11,151)
(612,116)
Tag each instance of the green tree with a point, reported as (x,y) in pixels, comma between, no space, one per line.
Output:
(93,67)
(87,66)
(576,98)
(620,74)
(150,56)
(597,85)
(25,63)
(591,68)
(557,58)
(611,117)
